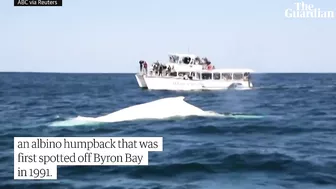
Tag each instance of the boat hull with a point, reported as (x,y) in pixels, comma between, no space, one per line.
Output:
(162,83)
(141,81)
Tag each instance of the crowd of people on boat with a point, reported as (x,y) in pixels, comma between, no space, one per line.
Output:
(159,69)
(206,64)
(156,69)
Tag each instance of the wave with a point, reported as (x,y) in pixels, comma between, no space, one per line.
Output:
(248,162)
(158,109)
(305,171)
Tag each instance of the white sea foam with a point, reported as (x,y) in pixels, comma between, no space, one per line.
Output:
(159,109)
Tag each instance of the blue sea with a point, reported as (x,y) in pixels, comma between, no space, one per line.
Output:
(288,142)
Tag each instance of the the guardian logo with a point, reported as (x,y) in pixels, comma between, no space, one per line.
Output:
(303,10)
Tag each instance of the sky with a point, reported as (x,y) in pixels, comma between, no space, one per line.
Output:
(110,36)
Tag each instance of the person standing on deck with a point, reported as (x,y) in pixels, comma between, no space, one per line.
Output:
(160,69)
(145,67)
(168,70)
(141,62)
(248,77)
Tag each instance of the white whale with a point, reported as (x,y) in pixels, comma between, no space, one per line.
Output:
(159,109)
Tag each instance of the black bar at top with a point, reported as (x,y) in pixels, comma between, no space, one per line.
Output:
(37,3)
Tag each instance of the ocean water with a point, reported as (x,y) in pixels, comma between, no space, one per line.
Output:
(292,144)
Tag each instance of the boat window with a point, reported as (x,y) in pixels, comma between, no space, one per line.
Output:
(192,74)
(186,60)
(181,74)
(173,74)
(226,76)
(173,59)
(237,76)
(197,60)
(216,76)
(206,76)
(198,75)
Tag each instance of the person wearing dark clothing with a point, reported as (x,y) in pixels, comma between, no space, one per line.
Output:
(155,67)
(160,70)
(249,79)
(141,63)
(168,70)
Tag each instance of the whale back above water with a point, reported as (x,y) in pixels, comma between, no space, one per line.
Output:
(158,109)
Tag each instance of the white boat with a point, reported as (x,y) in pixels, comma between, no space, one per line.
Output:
(189,72)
